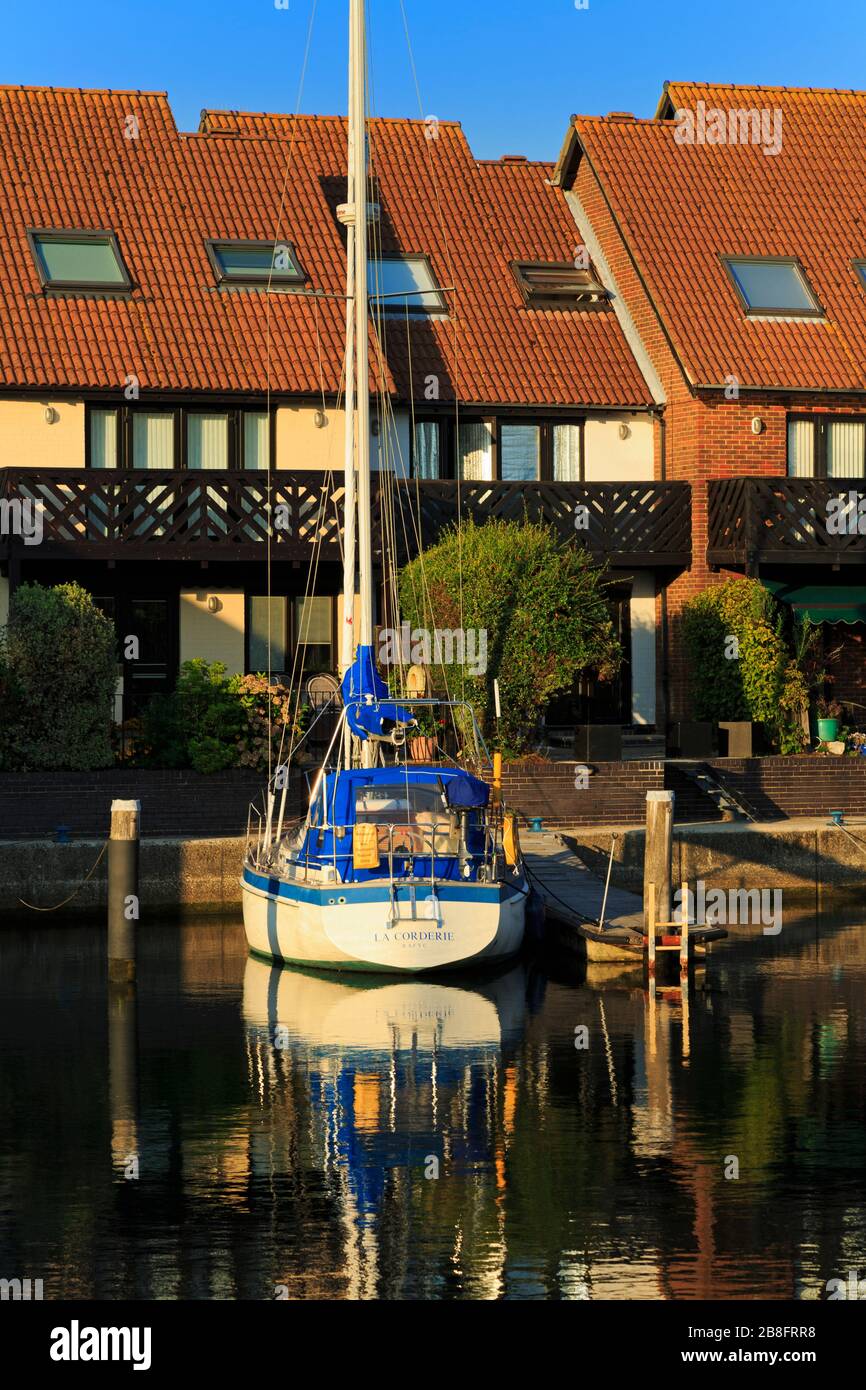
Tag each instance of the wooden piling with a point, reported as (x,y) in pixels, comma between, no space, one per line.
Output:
(123,899)
(684,932)
(651,930)
(658,854)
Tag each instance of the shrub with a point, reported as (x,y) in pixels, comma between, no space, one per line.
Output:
(740,665)
(542,606)
(213,721)
(58,672)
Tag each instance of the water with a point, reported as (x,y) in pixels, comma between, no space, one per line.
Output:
(241,1132)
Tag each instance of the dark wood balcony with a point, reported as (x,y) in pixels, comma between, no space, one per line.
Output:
(782,521)
(99,513)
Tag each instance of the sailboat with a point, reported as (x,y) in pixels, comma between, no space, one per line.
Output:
(396,866)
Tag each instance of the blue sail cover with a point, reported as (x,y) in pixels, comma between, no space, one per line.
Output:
(370,711)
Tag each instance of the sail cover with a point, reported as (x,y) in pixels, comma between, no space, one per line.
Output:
(370,711)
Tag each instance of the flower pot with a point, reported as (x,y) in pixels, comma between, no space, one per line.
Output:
(422,748)
(827,730)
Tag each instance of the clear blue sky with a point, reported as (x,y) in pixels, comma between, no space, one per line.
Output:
(511,70)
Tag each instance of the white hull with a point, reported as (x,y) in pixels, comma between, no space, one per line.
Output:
(361,927)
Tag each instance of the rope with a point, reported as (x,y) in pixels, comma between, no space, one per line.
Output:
(56,908)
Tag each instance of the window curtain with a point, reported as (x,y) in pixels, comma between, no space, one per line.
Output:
(845,449)
(518,453)
(801,449)
(207,441)
(566,453)
(257,437)
(426,450)
(475,451)
(152,440)
(103,438)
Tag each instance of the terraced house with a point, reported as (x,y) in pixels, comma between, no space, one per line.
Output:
(169,383)
(730,230)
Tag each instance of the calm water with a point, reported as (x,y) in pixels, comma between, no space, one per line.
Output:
(283,1125)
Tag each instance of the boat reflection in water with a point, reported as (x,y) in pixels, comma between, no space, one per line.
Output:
(387,1087)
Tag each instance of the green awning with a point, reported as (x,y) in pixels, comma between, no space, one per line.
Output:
(823,603)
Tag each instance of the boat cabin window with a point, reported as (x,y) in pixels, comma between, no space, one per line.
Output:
(392,805)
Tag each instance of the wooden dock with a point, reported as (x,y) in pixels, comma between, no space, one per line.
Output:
(573,899)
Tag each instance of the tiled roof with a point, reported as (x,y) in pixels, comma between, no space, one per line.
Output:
(681,206)
(66,161)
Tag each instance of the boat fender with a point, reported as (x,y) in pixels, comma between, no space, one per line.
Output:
(511,839)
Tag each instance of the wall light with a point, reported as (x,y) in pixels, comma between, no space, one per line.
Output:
(51,415)
(213,604)
(624,431)
(757,425)
(320,419)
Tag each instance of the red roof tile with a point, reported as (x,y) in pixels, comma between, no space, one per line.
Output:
(682,206)
(66,161)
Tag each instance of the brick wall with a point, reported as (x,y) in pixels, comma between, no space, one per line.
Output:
(804,786)
(172,803)
(616,792)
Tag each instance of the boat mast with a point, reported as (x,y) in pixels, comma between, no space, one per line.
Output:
(358,122)
(347,643)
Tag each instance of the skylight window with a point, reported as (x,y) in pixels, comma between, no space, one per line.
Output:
(558,285)
(396,283)
(772,285)
(254,263)
(78,260)
(860,267)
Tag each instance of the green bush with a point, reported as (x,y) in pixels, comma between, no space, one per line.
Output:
(58,671)
(740,663)
(543,608)
(212,721)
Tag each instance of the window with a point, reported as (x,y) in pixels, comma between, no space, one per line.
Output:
(426,449)
(519,453)
(567,453)
(826,447)
(266,630)
(103,438)
(558,285)
(475,451)
(860,268)
(207,441)
(256,439)
(396,283)
(511,449)
(176,437)
(255,263)
(314,634)
(79,260)
(153,439)
(772,285)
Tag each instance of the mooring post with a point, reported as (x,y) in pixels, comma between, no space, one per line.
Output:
(658,854)
(651,931)
(123,901)
(684,932)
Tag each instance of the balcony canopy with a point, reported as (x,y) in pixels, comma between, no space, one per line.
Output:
(823,603)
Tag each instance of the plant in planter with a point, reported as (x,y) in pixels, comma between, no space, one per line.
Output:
(423,745)
(829,714)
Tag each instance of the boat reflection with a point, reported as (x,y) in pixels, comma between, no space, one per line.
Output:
(407,1082)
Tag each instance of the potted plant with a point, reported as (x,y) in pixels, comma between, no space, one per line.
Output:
(829,714)
(424,744)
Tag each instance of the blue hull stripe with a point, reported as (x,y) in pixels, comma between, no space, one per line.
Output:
(340,893)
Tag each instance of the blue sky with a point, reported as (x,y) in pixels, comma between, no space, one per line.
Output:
(511,70)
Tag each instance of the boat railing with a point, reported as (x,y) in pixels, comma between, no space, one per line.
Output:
(401,842)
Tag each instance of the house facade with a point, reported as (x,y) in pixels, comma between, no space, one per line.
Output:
(172,311)
(730,231)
